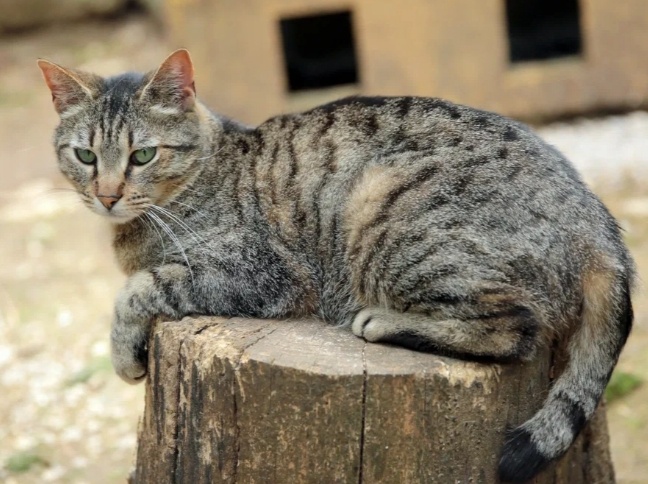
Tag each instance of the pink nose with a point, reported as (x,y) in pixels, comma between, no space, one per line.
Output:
(108,201)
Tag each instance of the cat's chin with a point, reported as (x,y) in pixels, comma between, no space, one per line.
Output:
(117,218)
(121,219)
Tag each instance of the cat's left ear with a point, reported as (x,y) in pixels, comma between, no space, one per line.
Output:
(172,85)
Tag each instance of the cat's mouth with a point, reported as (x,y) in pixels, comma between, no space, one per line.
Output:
(118,212)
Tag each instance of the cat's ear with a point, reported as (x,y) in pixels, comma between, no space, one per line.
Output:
(172,85)
(69,88)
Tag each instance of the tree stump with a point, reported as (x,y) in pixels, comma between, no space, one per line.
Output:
(257,401)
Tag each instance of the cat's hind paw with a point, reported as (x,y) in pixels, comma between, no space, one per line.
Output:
(374,324)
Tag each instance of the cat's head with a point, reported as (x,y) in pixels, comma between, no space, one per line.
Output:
(128,141)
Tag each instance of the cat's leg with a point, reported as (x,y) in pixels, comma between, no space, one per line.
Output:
(509,335)
(174,291)
(146,295)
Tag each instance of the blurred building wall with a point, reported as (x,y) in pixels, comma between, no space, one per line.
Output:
(16,15)
(456,49)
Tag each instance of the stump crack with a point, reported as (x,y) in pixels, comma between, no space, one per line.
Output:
(263,336)
(364,412)
(238,431)
(236,382)
(207,326)
(176,430)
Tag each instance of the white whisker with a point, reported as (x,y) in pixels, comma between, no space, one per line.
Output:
(151,223)
(175,240)
(197,238)
(209,155)
(53,191)
(60,189)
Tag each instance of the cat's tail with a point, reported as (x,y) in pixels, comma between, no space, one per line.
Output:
(593,351)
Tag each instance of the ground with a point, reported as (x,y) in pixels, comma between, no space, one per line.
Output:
(64,416)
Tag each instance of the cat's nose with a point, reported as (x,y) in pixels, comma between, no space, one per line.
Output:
(108,201)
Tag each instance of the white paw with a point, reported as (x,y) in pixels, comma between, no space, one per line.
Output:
(371,325)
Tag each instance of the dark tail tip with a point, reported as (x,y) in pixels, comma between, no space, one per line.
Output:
(521,460)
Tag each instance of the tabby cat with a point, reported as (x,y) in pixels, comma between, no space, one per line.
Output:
(414,221)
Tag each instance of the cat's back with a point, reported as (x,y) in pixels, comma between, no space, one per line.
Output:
(464,167)
(419,138)
(403,129)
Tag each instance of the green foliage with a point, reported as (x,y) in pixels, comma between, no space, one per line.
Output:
(23,462)
(621,384)
(95,366)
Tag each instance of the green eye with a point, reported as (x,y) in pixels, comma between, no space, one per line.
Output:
(143,156)
(85,156)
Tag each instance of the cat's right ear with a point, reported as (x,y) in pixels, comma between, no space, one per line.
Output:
(69,88)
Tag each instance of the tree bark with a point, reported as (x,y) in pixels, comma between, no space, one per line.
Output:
(251,401)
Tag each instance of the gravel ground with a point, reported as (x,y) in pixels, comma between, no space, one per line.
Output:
(607,151)
(64,416)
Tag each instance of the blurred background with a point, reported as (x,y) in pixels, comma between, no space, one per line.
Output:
(575,69)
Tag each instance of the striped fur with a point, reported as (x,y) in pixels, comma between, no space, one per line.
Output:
(414,221)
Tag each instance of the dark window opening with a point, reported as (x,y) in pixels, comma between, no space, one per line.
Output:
(543,29)
(319,51)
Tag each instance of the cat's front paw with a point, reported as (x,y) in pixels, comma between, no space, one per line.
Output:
(129,342)
(130,328)
(129,358)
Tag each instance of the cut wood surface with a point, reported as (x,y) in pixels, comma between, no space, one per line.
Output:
(256,401)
